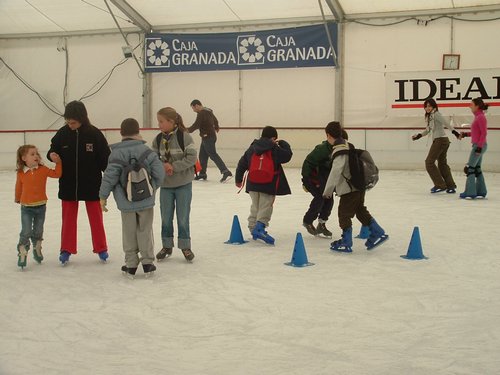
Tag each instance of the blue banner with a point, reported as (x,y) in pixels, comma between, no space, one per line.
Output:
(305,46)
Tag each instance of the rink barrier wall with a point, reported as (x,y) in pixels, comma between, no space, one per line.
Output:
(392,148)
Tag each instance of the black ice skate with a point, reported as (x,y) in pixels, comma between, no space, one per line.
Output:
(129,272)
(310,229)
(322,231)
(165,252)
(188,254)
(149,269)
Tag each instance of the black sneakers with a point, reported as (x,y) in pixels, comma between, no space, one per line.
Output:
(226,176)
(200,177)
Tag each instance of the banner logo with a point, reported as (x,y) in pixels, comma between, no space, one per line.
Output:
(157,52)
(297,47)
(250,50)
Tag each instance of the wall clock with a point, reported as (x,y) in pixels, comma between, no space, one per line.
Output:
(451,62)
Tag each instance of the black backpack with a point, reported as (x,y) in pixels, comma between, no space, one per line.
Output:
(137,179)
(364,172)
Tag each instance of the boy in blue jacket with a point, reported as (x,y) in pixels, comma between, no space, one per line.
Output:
(264,193)
(137,216)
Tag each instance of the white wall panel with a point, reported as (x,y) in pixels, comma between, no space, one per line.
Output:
(216,90)
(91,58)
(288,97)
(43,67)
(371,52)
(40,64)
(279,97)
(478,44)
(9,143)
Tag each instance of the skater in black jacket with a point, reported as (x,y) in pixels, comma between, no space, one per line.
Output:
(84,153)
(265,180)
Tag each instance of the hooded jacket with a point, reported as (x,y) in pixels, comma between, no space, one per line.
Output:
(281,152)
(114,179)
(317,164)
(84,153)
(340,173)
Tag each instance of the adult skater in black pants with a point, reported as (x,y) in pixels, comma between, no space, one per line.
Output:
(208,126)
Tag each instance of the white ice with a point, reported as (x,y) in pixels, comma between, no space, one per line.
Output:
(237,309)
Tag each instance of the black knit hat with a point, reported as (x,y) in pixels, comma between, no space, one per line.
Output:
(269,132)
(129,127)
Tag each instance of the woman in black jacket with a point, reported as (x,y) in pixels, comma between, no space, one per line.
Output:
(84,153)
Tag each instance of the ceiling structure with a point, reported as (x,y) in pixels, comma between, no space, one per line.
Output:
(30,18)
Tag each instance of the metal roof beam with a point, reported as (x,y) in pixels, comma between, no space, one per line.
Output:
(134,16)
(424,13)
(336,9)
(219,26)
(274,22)
(62,34)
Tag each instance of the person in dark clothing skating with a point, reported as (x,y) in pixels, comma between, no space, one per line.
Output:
(315,171)
(84,153)
(352,200)
(264,194)
(208,126)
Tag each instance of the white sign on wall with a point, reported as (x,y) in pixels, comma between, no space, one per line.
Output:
(407,91)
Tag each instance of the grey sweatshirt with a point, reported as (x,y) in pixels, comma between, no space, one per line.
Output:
(182,161)
(340,172)
(436,126)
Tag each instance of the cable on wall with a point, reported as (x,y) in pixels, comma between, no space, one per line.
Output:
(232,10)
(63,47)
(45,16)
(124,36)
(425,22)
(384,24)
(105,11)
(105,78)
(51,107)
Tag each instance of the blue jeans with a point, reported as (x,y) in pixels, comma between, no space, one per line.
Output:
(169,198)
(32,220)
(475,184)
(207,149)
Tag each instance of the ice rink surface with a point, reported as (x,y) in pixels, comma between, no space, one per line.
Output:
(238,310)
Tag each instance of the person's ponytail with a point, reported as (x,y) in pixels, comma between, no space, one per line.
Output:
(480,104)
